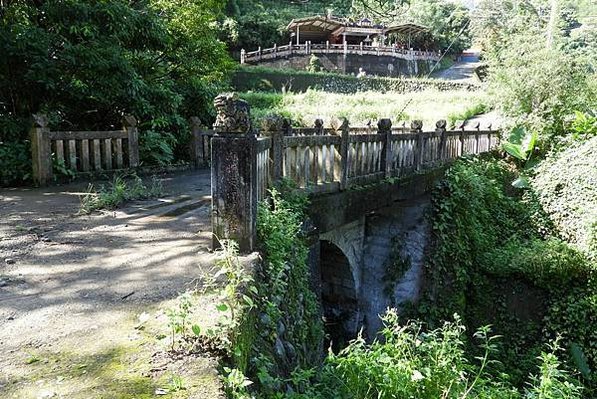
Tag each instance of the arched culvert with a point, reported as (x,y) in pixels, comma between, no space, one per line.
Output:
(338,295)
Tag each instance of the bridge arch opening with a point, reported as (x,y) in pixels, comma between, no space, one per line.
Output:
(338,296)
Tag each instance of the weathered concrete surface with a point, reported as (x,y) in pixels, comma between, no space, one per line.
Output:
(393,259)
(78,283)
(350,64)
(377,228)
(234,189)
(350,239)
(331,211)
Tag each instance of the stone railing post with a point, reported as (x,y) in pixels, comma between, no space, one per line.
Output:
(259,53)
(234,174)
(489,137)
(243,56)
(384,128)
(290,48)
(477,128)
(416,127)
(273,127)
(41,153)
(287,127)
(318,125)
(327,45)
(275,50)
(440,130)
(462,138)
(345,129)
(198,153)
(130,125)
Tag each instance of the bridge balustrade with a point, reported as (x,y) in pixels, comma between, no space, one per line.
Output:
(82,152)
(324,160)
(327,48)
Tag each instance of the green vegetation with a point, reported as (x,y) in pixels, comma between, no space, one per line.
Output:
(362,107)
(477,109)
(253,23)
(566,190)
(540,71)
(86,63)
(488,237)
(121,189)
(259,78)
(291,313)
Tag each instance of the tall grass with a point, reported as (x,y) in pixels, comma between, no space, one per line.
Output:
(362,107)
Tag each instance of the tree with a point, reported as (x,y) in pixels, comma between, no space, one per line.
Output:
(86,63)
(448,24)
(536,82)
(384,11)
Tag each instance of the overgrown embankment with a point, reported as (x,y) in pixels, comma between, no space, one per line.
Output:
(520,260)
(281,335)
(498,259)
(269,79)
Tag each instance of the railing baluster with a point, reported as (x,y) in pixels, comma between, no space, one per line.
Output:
(85,155)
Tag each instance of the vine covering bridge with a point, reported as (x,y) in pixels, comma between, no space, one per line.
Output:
(318,160)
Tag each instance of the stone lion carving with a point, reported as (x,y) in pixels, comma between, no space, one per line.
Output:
(416,125)
(441,124)
(272,123)
(383,125)
(233,114)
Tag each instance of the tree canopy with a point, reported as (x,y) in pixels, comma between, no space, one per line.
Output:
(86,63)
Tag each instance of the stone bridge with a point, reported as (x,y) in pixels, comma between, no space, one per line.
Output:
(369,191)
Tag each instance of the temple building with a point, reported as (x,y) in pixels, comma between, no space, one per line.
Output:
(320,29)
(349,47)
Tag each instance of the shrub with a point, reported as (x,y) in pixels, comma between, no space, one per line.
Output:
(120,190)
(565,186)
(86,63)
(551,264)
(574,317)
(15,162)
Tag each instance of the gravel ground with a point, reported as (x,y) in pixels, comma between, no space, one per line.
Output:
(76,284)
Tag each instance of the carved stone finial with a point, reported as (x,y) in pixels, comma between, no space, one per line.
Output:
(129,121)
(233,114)
(477,125)
(318,125)
(441,124)
(286,123)
(345,124)
(195,122)
(461,124)
(383,125)
(272,123)
(416,125)
(40,120)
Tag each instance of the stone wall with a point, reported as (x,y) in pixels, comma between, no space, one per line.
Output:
(373,65)
(262,79)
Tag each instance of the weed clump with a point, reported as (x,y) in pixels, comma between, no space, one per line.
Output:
(119,191)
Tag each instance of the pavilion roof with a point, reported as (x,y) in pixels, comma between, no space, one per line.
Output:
(318,26)
(316,22)
(407,29)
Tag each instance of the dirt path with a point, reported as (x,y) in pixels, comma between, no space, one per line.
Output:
(460,71)
(72,287)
